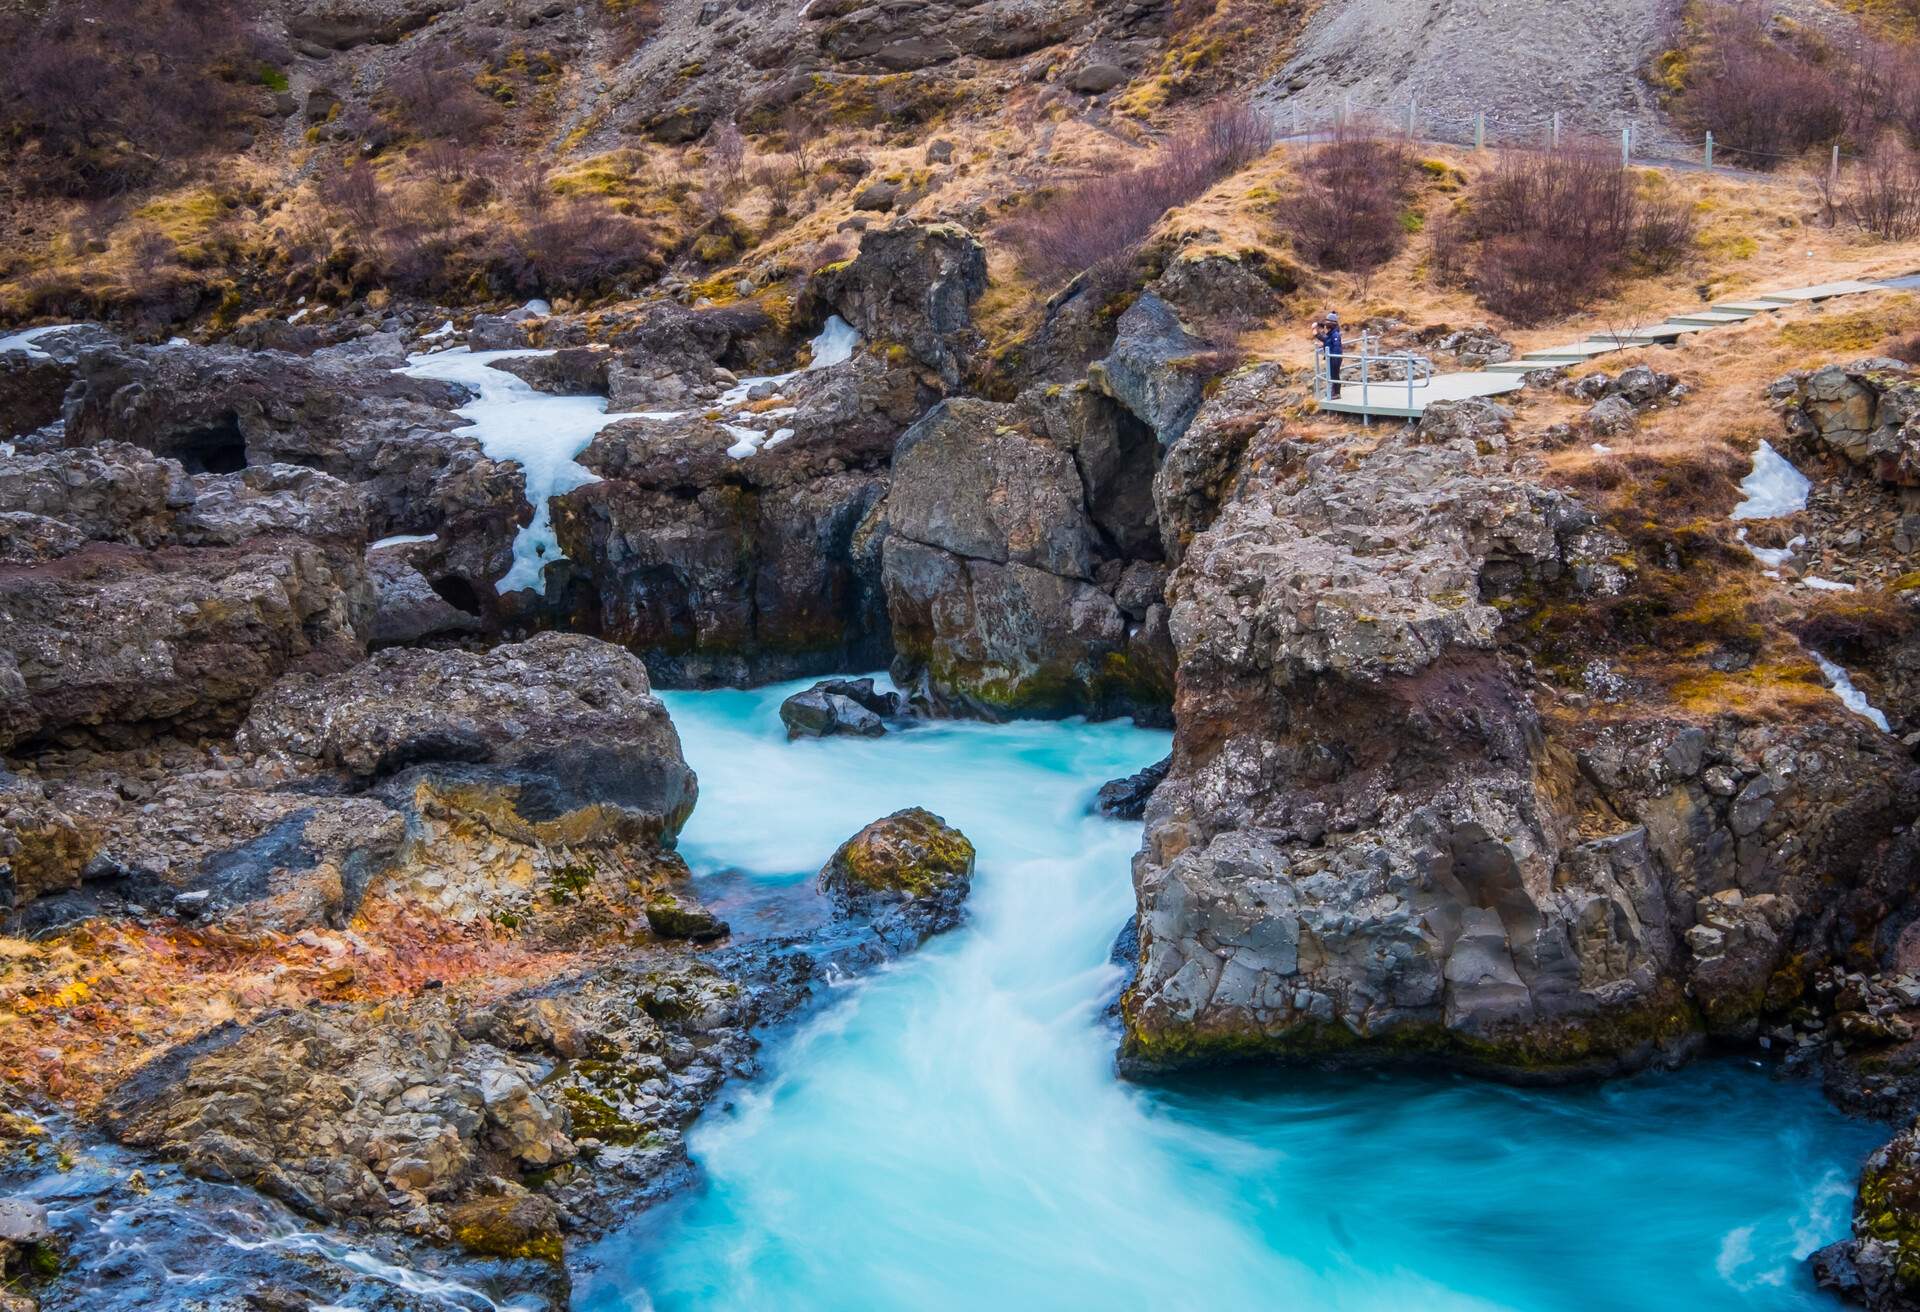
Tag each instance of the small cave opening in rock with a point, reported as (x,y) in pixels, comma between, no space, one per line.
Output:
(219,448)
(458,593)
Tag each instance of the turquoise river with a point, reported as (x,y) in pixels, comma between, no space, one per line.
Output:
(948,1132)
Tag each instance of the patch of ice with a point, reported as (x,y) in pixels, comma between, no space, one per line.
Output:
(1603,448)
(1851,697)
(540,433)
(779,435)
(537,306)
(1774,488)
(24,340)
(747,441)
(178,341)
(403,539)
(1826,585)
(6,449)
(834,345)
(1772,557)
(444,330)
(298,315)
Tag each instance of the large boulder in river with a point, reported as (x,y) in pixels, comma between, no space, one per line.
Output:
(839,706)
(910,870)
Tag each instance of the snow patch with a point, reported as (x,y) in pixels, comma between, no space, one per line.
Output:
(1825,585)
(1774,488)
(540,433)
(444,330)
(403,539)
(1772,557)
(1851,697)
(835,344)
(24,341)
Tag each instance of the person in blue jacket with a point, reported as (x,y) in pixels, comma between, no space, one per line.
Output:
(1327,332)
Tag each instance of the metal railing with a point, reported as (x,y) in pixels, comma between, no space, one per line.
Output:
(1399,370)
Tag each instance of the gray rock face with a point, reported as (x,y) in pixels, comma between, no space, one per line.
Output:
(1157,369)
(914,284)
(554,740)
(990,568)
(1198,472)
(1866,411)
(144,598)
(839,706)
(1371,840)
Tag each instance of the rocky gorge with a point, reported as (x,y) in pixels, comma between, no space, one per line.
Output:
(459,849)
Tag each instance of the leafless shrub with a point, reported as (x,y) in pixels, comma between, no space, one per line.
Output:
(357,194)
(94,97)
(1347,217)
(1885,196)
(1555,228)
(445,161)
(1103,220)
(431,94)
(726,157)
(803,130)
(576,247)
(780,181)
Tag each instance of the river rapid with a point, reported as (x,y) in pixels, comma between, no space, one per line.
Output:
(949,1132)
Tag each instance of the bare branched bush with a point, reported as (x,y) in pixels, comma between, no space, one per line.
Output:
(430,93)
(1764,100)
(1884,198)
(95,97)
(1556,228)
(726,157)
(576,247)
(1347,216)
(1103,220)
(358,196)
(803,130)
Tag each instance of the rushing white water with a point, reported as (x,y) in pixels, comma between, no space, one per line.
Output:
(541,432)
(949,1133)
(1774,488)
(1851,696)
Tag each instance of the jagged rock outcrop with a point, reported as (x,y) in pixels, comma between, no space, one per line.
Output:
(912,285)
(1865,411)
(1157,369)
(460,1122)
(143,598)
(342,411)
(719,569)
(1373,841)
(910,872)
(1004,596)
(556,740)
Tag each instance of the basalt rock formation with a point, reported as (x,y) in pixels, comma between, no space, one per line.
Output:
(1378,839)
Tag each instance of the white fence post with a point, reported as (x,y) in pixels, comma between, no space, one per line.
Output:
(1411,103)
(1709,152)
(1554,139)
(1479,131)
(1626,145)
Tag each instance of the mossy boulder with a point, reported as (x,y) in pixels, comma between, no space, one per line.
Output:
(669,917)
(910,870)
(517,1227)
